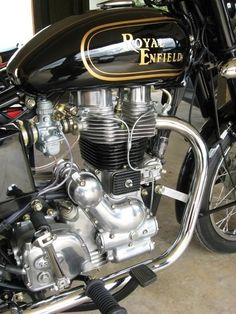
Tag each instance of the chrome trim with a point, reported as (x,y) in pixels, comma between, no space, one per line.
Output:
(172,193)
(186,230)
(115,4)
(228,69)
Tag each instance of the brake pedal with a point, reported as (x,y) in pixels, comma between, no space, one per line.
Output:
(143,275)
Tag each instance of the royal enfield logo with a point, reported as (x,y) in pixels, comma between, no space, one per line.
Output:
(145,46)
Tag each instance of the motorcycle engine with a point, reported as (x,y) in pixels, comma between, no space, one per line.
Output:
(104,217)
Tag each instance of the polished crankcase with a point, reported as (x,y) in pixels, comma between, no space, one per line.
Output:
(125,226)
(103,48)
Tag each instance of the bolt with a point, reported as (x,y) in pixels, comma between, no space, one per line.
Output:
(129,183)
(132,234)
(19,297)
(113,206)
(30,103)
(6,296)
(82,183)
(158,189)
(26,217)
(130,244)
(50,212)
(145,231)
(36,205)
(112,236)
(144,192)
(44,277)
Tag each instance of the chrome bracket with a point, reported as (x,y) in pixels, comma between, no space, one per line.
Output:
(112,4)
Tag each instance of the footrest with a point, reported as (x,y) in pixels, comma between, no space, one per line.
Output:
(143,275)
(103,298)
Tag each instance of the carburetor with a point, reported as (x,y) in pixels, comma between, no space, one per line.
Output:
(49,130)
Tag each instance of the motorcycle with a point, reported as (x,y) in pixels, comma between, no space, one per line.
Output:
(95,76)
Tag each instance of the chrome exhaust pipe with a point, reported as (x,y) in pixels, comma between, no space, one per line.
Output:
(77,297)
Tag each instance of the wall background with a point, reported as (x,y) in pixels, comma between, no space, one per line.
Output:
(93,3)
(16,25)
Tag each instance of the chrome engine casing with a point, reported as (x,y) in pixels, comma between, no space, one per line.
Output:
(98,226)
(124,225)
(71,251)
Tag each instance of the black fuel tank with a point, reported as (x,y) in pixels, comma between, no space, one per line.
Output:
(102,48)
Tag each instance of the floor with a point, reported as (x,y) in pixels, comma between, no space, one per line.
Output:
(200,282)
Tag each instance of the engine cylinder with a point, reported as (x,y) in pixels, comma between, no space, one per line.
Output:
(103,141)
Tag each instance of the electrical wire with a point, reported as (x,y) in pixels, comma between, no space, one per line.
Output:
(43,167)
(131,139)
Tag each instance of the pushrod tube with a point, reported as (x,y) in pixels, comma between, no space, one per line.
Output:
(186,229)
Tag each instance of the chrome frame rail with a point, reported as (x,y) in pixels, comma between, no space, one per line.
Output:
(70,300)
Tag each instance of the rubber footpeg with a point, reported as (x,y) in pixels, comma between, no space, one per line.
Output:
(143,275)
(103,299)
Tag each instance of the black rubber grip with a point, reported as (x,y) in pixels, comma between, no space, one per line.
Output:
(103,298)
(39,221)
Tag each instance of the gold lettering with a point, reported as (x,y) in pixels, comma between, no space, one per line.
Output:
(154,43)
(159,57)
(169,57)
(174,57)
(152,58)
(127,37)
(147,40)
(180,57)
(138,43)
(143,55)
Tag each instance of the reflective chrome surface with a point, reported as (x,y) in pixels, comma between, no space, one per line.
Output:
(49,135)
(105,126)
(187,226)
(228,70)
(115,4)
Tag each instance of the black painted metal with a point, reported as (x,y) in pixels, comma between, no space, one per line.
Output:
(14,166)
(89,51)
(112,156)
